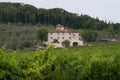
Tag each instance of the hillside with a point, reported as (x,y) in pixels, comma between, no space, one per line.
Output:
(28,14)
(18,24)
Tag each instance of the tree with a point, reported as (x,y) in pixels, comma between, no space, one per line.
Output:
(42,33)
(28,14)
(25,44)
(88,35)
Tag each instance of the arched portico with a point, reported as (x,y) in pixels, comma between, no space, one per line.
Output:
(75,43)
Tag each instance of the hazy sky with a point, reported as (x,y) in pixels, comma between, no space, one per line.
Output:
(103,9)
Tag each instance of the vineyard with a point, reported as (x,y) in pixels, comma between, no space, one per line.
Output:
(95,62)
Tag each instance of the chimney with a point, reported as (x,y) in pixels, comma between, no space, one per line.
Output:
(60,27)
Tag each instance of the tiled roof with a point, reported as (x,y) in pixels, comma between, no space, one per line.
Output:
(60,31)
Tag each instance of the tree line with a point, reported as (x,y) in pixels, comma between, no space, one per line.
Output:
(28,14)
(20,23)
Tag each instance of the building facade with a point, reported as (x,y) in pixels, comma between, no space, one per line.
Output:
(60,34)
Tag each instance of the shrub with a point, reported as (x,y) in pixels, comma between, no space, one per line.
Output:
(55,41)
(26,44)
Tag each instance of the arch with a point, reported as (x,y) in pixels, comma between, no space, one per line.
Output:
(75,44)
(66,43)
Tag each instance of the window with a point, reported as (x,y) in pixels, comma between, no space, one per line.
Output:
(62,37)
(80,39)
(51,33)
(58,37)
(69,33)
(51,37)
(73,34)
(69,37)
(58,33)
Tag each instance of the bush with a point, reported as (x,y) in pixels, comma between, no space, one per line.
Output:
(55,41)
(25,44)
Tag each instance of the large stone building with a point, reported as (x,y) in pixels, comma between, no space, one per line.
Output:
(60,34)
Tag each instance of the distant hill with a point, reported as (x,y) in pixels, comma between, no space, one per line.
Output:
(25,14)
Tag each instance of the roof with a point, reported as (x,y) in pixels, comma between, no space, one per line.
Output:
(60,31)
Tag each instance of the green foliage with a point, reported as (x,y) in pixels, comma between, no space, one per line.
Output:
(97,62)
(25,44)
(28,14)
(42,34)
(15,36)
(88,35)
(55,41)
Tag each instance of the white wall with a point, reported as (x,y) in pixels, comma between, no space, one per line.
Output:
(72,37)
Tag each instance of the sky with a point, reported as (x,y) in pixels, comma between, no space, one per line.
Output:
(103,9)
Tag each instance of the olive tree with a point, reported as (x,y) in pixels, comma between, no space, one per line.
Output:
(42,34)
(88,35)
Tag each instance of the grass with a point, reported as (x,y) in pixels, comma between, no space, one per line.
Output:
(94,48)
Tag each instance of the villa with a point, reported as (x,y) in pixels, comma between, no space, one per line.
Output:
(60,34)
